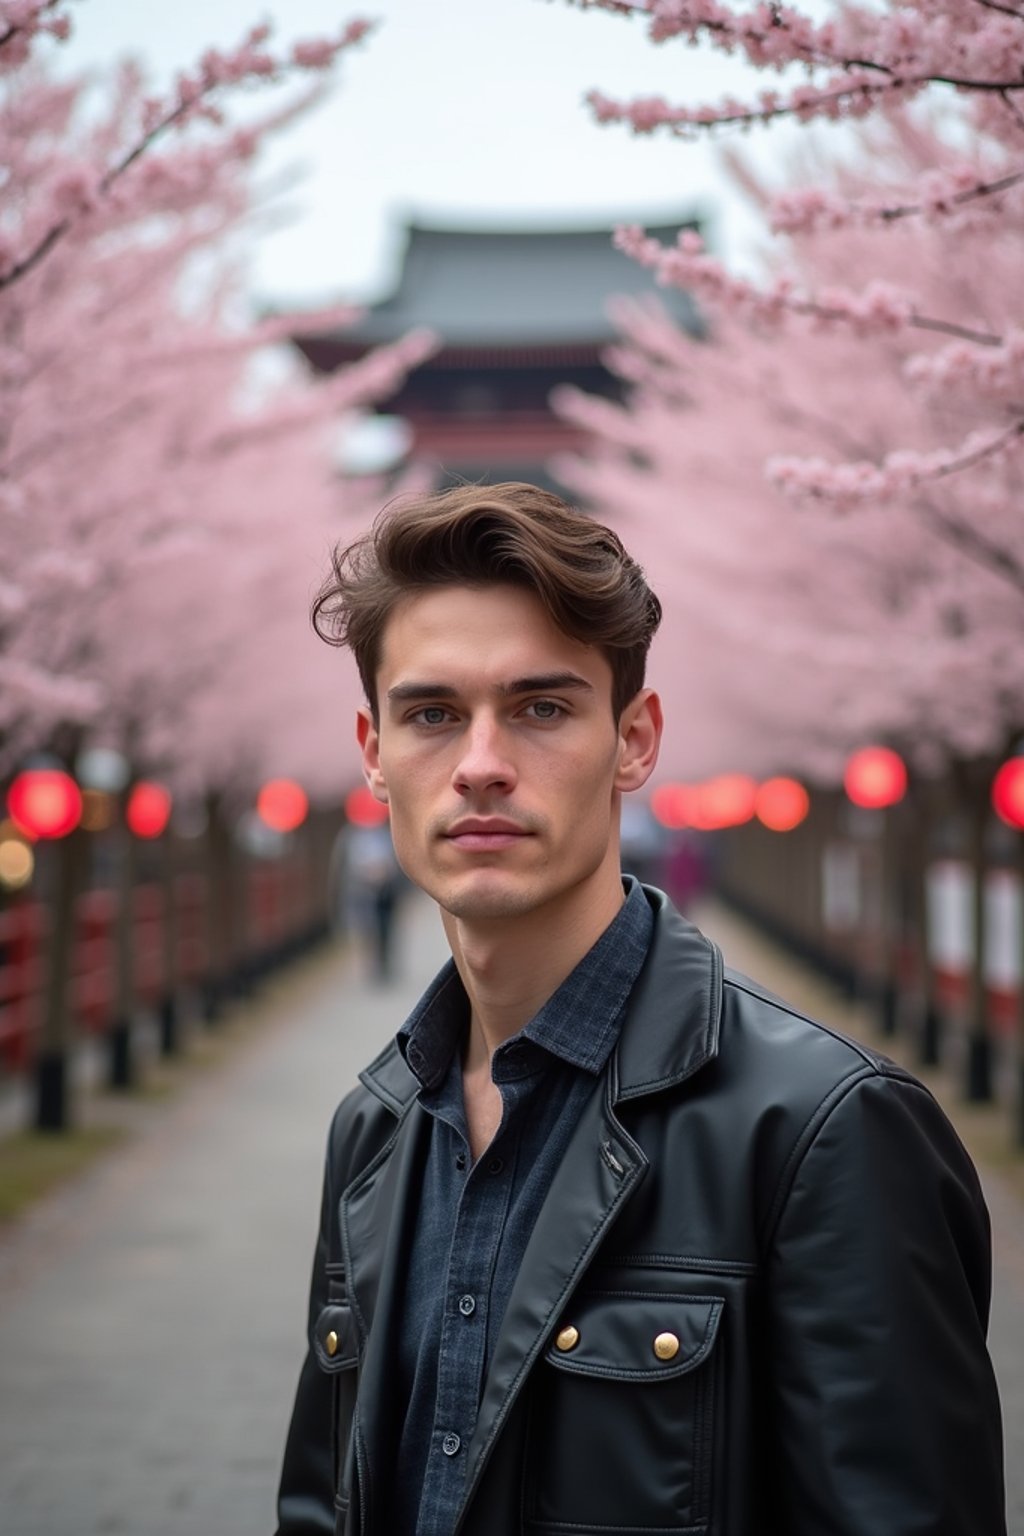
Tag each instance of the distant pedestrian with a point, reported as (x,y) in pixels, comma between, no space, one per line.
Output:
(685,870)
(374,888)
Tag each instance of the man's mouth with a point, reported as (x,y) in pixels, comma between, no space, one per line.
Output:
(483,833)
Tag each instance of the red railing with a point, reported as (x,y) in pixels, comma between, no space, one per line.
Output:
(279,905)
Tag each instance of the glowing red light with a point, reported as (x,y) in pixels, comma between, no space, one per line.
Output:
(148,810)
(675,806)
(726,801)
(282,804)
(45,802)
(363,810)
(875,777)
(781,804)
(1008,793)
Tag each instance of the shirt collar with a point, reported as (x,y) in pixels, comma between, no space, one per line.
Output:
(580,1021)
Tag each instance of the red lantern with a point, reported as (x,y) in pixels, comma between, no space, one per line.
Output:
(363,809)
(781,804)
(282,804)
(148,810)
(875,777)
(45,802)
(727,801)
(675,806)
(1008,793)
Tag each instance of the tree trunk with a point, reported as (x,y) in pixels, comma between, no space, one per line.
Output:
(170,1036)
(53,1109)
(979,1040)
(221,910)
(926,1017)
(1019,1107)
(123,1065)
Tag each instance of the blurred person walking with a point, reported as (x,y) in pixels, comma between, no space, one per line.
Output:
(373,889)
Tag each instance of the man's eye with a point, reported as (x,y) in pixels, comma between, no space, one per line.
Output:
(546,709)
(430,714)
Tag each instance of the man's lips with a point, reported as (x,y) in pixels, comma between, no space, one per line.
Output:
(483,833)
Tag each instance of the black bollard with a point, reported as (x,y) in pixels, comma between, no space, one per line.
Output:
(979,1068)
(169,1034)
(51,1092)
(122,1057)
(931,1035)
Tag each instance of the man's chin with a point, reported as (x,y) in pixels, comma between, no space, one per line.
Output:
(487,900)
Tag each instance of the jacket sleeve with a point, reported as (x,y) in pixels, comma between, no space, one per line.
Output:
(882,1404)
(305,1501)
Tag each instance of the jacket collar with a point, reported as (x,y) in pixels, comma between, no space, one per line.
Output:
(671,1027)
(672,1023)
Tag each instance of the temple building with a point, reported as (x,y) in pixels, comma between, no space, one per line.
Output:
(518,312)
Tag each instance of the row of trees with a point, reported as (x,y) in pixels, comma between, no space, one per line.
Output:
(830,487)
(166,498)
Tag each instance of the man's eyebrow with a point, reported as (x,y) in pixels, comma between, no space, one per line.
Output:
(546,682)
(401,693)
(542,682)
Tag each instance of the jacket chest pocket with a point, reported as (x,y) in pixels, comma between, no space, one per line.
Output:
(335,1346)
(621,1431)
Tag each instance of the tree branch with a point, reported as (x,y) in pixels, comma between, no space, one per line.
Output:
(970,195)
(1012,106)
(967,541)
(979,455)
(15,30)
(60,229)
(1004,10)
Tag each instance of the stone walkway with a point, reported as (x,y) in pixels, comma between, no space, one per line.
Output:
(151,1316)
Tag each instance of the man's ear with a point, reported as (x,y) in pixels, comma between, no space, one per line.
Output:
(640,728)
(368,737)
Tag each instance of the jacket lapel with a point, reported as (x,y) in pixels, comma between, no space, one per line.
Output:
(598,1174)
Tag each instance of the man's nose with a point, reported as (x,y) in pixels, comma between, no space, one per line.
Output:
(485,761)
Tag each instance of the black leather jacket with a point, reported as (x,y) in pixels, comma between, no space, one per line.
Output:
(791,1211)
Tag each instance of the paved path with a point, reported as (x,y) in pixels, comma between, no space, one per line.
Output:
(151,1317)
(151,1320)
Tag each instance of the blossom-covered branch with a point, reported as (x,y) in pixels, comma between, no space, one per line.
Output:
(868,58)
(80,187)
(878,308)
(22,20)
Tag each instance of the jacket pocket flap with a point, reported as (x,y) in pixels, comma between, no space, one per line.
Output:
(334,1339)
(628,1336)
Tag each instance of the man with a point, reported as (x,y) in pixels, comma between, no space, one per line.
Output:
(611,1241)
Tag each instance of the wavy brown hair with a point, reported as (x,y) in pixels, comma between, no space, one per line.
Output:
(478,535)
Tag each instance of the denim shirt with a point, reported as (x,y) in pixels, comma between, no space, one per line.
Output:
(474,1219)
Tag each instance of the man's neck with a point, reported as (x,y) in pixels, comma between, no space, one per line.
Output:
(510,968)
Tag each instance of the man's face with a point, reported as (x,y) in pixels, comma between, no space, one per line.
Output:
(497,751)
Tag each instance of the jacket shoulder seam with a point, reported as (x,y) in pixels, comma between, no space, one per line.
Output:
(880,1065)
(817,1121)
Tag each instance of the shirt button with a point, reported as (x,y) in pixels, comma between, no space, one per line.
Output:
(467,1305)
(495,1165)
(450,1445)
(460,1161)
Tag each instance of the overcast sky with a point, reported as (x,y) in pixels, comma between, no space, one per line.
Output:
(451,111)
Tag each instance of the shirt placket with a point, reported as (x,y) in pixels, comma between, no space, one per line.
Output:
(480,1220)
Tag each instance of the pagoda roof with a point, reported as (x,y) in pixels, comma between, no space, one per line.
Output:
(514,287)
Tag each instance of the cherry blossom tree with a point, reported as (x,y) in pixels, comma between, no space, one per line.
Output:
(164,506)
(964,59)
(870,376)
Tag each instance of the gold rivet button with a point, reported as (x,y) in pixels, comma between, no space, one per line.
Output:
(666,1346)
(567,1339)
(331,1343)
